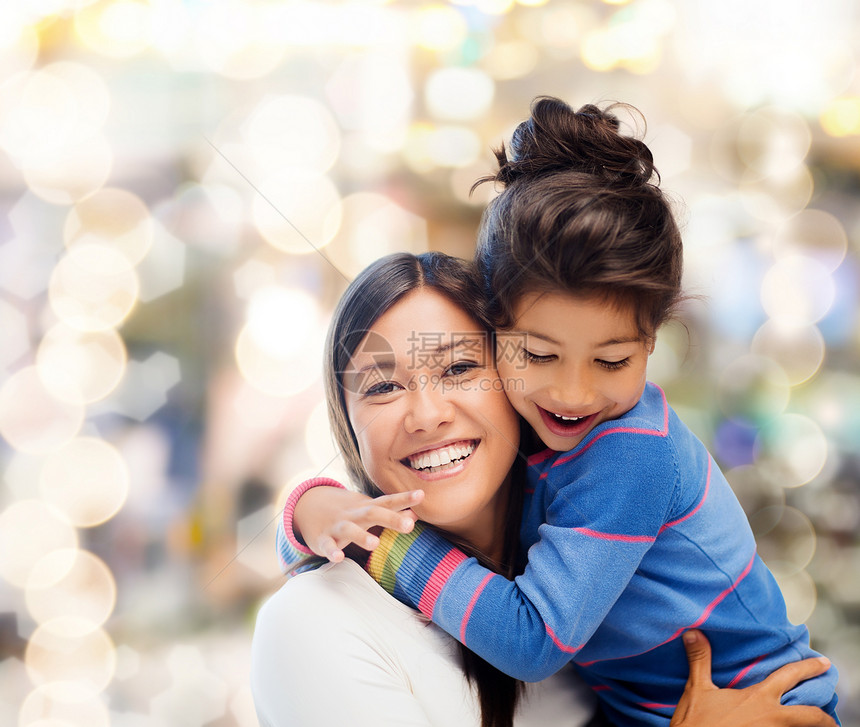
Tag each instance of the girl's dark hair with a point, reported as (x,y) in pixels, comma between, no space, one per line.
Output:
(376,289)
(581,212)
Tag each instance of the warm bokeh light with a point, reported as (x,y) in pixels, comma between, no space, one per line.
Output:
(113,217)
(279,351)
(238,40)
(797,291)
(81,367)
(72,651)
(297,212)
(814,234)
(794,448)
(116,28)
(80,587)
(841,117)
(801,595)
(511,59)
(772,141)
(786,537)
(373,226)
(57,705)
(71,174)
(754,389)
(439,27)
(798,349)
(29,531)
(430,146)
(459,94)
(32,419)
(87,480)
(286,132)
(93,287)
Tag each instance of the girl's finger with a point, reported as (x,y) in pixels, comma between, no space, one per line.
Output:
(699,657)
(400,500)
(327,547)
(790,675)
(372,516)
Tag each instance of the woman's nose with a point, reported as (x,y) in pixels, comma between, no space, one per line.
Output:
(429,407)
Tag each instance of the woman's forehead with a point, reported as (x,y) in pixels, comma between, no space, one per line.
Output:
(423,323)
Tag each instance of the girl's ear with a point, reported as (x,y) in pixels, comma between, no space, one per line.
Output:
(651,344)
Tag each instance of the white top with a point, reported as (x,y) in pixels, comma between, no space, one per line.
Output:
(332,648)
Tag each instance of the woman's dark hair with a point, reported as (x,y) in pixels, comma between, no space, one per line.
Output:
(376,289)
(581,212)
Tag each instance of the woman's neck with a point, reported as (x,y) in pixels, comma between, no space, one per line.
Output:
(486,534)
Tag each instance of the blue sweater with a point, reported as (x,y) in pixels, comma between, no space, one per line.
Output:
(633,537)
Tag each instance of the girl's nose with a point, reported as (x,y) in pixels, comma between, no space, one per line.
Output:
(429,406)
(574,390)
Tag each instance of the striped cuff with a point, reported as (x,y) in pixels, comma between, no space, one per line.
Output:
(290,548)
(415,566)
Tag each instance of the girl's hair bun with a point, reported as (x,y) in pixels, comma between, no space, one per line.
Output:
(555,138)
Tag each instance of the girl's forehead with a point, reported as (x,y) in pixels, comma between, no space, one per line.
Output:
(560,316)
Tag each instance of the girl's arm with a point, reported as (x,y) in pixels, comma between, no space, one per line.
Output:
(704,705)
(591,543)
(322,517)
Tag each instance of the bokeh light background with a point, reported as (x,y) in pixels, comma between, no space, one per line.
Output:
(188,185)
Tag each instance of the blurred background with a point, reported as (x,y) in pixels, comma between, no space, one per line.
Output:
(187,186)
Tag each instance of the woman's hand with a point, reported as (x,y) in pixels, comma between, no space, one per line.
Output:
(705,705)
(330,518)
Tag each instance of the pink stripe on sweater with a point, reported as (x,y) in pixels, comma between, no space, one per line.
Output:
(698,622)
(657,705)
(743,672)
(559,643)
(692,512)
(616,536)
(438,578)
(539,457)
(624,430)
(465,622)
(713,604)
(290,508)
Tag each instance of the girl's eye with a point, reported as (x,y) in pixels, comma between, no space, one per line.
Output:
(458,368)
(536,358)
(381,388)
(613,365)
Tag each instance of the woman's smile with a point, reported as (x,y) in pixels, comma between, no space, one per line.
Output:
(443,460)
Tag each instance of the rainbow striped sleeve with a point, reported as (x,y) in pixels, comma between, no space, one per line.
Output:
(290,549)
(413,567)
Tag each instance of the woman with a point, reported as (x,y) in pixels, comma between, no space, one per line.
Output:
(413,405)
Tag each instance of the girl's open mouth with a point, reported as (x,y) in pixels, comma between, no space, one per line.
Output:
(566,426)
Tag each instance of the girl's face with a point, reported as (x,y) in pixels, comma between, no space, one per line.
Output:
(429,412)
(570,363)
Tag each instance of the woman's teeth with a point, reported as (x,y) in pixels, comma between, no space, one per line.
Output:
(442,458)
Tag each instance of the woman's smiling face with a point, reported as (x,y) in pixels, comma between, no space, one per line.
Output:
(429,412)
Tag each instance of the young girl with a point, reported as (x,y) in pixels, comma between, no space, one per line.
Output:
(633,534)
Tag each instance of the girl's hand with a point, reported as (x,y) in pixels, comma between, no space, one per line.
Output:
(330,518)
(705,705)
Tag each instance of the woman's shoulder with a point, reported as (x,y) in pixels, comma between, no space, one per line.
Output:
(337,593)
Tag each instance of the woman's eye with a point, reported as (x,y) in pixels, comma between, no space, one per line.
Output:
(613,365)
(460,367)
(536,358)
(383,387)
